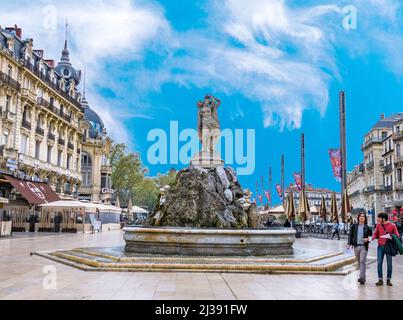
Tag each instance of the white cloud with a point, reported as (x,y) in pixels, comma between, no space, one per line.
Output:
(100,32)
(280,55)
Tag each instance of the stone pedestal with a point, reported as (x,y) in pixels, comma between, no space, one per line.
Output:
(207,160)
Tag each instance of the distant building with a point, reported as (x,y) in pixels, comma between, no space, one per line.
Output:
(314,195)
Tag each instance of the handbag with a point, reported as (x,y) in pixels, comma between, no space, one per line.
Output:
(390,245)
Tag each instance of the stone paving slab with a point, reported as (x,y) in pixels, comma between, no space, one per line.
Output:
(22,276)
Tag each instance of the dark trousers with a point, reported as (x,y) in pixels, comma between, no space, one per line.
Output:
(380,255)
(336,232)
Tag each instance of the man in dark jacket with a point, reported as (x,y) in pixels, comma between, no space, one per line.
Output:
(358,238)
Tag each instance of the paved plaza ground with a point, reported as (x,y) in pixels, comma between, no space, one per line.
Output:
(22,276)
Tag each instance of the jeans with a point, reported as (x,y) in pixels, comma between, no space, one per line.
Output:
(361,256)
(380,255)
(336,232)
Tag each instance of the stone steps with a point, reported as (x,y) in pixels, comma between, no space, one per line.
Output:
(336,263)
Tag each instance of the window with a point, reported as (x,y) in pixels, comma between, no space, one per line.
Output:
(398,150)
(10,71)
(399,175)
(59,158)
(24,144)
(68,161)
(49,157)
(37,149)
(86,169)
(5,138)
(105,181)
(8,103)
(397,129)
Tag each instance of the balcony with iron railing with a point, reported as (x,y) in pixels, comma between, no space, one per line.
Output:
(9,81)
(399,185)
(388,188)
(6,114)
(370,165)
(354,194)
(369,189)
(398,135)
(398,159)
(42,102)
(387,168)
(51,84)
(70,145)
(61,141)
(51,136)
(26,124)
(39,131)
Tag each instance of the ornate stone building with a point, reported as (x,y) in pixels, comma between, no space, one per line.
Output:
(47,130)
(95,167)
(41,115)
(380,188)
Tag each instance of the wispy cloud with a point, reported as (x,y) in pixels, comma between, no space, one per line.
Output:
(101,33)
(274,52)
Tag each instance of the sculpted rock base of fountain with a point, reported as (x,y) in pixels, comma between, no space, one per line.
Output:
(205,198)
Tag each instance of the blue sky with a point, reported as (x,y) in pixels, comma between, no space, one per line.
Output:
(277,67)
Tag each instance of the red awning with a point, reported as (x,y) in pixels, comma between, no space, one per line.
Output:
(33,192)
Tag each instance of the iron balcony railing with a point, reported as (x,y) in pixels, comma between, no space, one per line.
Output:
(372,140)
(25,124)
(39,131)
(370,165)
(61,141)
(49,106)
(70,145)
(387,168)
(55,87)
(51,136)
(6,79)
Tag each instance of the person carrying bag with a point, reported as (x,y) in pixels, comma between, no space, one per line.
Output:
(386,246)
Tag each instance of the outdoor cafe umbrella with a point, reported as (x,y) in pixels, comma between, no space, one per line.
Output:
(303,208)
(345,206)
(290,207)
(117,202)
(129,207)
(333,209)
(323,211)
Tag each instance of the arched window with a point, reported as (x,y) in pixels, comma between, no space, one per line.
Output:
(86,169)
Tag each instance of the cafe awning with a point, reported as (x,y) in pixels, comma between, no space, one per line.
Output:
(34,192)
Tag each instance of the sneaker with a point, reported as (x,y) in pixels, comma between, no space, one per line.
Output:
(379,283)
(361,281)
(389,283)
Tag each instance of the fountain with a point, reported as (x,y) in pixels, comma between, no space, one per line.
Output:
(206,211)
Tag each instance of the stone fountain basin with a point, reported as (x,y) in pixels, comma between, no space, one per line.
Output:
(209,241)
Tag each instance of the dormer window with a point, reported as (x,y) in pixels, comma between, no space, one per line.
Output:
(66,73)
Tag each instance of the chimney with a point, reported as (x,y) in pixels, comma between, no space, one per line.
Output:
(382,116)
(18,32)
(50,62)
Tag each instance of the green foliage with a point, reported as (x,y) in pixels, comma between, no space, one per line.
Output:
(129,178)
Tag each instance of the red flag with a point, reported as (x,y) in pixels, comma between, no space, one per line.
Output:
(298,180)
(335,160)
(279,191)
(260,199)
(267,194)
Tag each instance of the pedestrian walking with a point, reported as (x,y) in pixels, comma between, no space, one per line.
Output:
(287,224)
(336,230)
(383,232)
(359,238)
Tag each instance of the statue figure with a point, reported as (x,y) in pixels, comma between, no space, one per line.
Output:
(208,124)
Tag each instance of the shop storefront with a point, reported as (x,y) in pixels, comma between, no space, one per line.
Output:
(23,198)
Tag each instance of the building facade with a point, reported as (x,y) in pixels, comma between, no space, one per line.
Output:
(377,186)
(314,195)
(47,129)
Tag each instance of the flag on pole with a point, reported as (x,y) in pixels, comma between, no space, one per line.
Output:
(279,191)
(267,194)
(298,180)
(335,160)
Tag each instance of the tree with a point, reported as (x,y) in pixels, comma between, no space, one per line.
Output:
(129,178)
